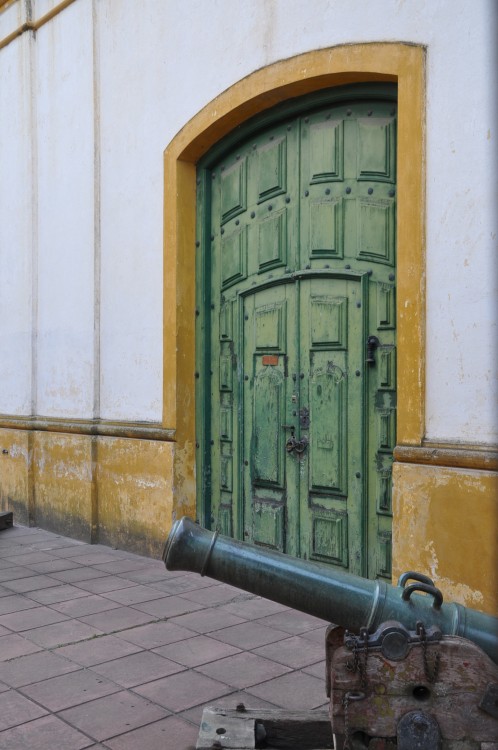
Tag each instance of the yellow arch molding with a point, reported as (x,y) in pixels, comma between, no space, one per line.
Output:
(336,66)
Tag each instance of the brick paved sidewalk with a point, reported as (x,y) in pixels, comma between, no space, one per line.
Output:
(101,648)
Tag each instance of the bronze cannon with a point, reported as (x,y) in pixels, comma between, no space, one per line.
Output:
(404,669)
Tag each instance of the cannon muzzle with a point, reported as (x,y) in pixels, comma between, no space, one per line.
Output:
(332,595)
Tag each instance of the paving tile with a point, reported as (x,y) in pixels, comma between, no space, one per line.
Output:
(61,633)
(57,543)
(137,669)
(317,670)
(318,635)
(15,603)
(181,585)
(30,534)
(123,566)
(79,573)
(243,670)
(172,733)
(13,645)
(31,618)
(135,595)
(295,690)
(248,635)
(54,566)
(168,606)
(117,619)
(4,631)
(13,572)
(31,583)
(213,595)
(183,690)
(94,557)
(146,575)
(8,549)
(207,620)
(16,709)
(113,715)
(75,551)
(46,733)
(178,573)
(293,622)
(102,585)
(295,652)
(70,690)
(60,593)
(85,605)
(195,651)
(29,556)
(155,634)
(254,608)
(97,650)
(33,668)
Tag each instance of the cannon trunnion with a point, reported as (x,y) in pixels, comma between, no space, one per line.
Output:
(403,669)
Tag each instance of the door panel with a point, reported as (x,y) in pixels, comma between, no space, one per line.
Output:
(270,487)
(331,472)
(298,266)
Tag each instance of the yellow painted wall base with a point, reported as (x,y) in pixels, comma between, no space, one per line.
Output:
(447,527)
(117,491)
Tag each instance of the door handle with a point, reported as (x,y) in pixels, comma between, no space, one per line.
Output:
(372,344)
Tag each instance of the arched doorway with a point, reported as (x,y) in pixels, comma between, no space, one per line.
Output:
(310,72)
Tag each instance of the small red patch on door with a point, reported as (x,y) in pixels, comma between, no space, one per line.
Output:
(270,359)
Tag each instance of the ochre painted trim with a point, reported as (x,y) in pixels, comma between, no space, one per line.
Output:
(35,25)
(456,456)
(106,428)
(4,4)
(312,71)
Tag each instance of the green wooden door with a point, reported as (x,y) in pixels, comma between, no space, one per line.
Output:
(296,336)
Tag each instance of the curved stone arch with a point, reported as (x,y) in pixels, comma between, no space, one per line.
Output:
(401,63)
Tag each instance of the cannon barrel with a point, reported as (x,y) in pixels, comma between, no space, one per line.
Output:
(332,595)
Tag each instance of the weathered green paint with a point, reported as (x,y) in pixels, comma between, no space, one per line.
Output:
(296,268)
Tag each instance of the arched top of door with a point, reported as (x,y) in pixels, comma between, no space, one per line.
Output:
(307,103)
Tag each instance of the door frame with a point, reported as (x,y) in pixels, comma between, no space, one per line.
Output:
(400,63)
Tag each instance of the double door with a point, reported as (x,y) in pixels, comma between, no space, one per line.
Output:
(296,404)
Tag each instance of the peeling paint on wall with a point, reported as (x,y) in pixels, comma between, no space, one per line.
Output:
(114,490)
(447,527)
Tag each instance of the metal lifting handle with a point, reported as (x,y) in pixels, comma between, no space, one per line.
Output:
(411,575)
(422,583)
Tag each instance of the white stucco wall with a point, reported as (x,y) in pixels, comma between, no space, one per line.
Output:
(15,229)
(134,110)
(159,62)
(65,194)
